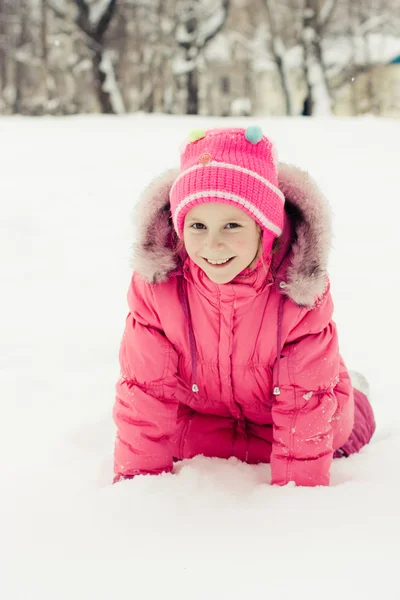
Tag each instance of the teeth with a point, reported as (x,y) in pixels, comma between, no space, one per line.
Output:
(217,262)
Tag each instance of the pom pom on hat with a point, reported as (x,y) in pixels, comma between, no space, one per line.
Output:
(196,134)
(253,134)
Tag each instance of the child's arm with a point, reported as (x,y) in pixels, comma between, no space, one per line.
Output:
(309,369)
(145,408)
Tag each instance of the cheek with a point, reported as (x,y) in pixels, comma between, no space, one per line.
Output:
(245,245)
(191,244)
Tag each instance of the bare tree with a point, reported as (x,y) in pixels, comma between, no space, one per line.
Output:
(45,63)
(316,17)
(11,15)
(365,22)
(95,29)
(199,22)
(364,31)
(69,56)
(3,54)
(278,50)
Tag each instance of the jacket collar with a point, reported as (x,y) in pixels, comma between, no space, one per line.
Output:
(248,284)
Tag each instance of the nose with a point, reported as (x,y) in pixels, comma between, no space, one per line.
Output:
(214,241)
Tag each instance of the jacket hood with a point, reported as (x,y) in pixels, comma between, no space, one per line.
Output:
(304,243)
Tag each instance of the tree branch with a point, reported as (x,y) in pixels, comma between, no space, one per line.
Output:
(372,23)
(210,36)
(325,13)
(57,11)
(105,20)
(194,41)
(82,19)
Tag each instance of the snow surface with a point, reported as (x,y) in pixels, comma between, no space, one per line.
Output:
(214,529)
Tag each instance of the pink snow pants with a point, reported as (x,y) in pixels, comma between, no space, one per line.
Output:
(363,429)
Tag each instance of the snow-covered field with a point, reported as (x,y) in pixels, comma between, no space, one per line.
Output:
(214,529)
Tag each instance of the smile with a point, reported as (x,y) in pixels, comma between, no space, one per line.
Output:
(220,262)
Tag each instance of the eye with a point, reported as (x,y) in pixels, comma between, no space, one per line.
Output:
(232,225)
(197,226)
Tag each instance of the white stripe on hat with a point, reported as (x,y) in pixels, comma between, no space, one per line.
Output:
(242,202)
(234,168)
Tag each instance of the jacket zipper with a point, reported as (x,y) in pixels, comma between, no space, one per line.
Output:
(183,436)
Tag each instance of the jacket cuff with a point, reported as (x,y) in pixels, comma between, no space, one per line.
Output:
(308,473)
(122,476)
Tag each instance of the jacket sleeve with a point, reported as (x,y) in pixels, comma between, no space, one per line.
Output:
(145,408)
(308,373)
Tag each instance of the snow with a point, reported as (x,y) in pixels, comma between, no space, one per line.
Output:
(216,18)
(209,17)
(315,75)
(326,11)
(97,8)
(338,51)
(214,529)
(181,66)
(241,106)
(219,49)
(381,49)
(322,101)
(110,84)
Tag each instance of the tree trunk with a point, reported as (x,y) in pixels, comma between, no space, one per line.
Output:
(308,103)
(193,47)
(103,95)
(318,100)
(192,106)
(2,53)
(97,34)
(44,54)
(283,76)
(18,67)
(278,50)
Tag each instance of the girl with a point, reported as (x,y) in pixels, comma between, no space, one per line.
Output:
(229,347)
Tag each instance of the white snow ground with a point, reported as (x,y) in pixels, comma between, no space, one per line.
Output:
(214,529)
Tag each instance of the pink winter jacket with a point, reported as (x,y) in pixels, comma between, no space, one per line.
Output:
(249,369)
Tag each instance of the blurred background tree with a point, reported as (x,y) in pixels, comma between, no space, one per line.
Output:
(208,57)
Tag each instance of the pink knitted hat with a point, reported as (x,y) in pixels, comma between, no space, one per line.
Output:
(233,166)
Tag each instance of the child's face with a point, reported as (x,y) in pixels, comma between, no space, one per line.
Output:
(215,232)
